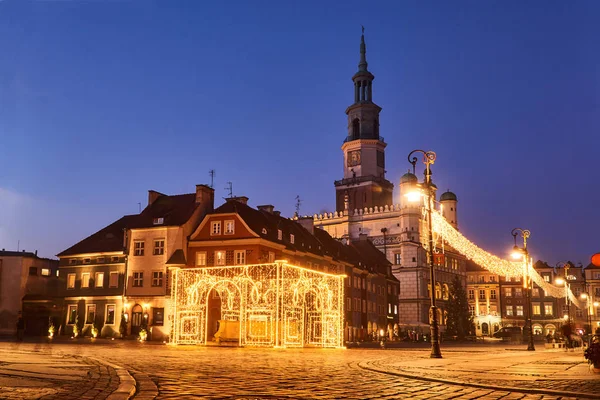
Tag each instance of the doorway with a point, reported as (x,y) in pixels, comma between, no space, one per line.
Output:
(485,330)
(137,315)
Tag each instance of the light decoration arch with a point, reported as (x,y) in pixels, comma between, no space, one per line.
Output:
(272,305)
(448,234)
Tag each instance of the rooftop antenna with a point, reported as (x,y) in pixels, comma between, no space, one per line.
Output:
(298,202)
(18,245)
(212,177)
(229,189)
(139,208)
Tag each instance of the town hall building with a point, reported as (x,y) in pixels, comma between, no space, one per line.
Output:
(365,208)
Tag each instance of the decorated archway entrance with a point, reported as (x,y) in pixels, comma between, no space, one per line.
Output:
(276,305)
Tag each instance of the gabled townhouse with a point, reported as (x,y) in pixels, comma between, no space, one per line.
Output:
(156,238)
(30,286)
(94,272)
(237,234)
(117,278)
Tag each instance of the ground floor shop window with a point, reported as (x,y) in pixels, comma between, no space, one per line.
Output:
(72,314)
(110,314)
(90,314)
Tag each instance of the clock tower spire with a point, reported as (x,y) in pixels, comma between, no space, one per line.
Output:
(364,158)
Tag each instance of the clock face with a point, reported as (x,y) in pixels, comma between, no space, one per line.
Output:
(354,158)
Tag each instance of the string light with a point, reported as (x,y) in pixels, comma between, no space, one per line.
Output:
(493,263)
(274,305)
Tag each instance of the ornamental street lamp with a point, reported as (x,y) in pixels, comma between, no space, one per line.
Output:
(428,159)
(585,296)
(523,253)
(565,281)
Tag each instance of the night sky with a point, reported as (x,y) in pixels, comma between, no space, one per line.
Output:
(101,101)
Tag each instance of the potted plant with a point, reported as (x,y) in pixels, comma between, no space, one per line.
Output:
(143,335)
(51,328)
(94,331)
(76,328)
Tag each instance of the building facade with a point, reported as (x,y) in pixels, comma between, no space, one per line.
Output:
(156,238)
(30,287)
(94,276)
(483,294)
(237,234)
(592,298)
(116,280)
(365,207)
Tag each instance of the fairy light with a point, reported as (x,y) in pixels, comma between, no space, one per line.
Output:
(493,263)
(270,305)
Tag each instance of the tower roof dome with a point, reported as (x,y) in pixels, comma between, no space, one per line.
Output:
(448,196)
(408,177)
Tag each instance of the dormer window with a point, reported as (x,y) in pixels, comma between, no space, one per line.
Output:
(159,221)
(73,261)
(264,231)
(279,234)
(215,228)
(100,260)
(87,260)
(291,238)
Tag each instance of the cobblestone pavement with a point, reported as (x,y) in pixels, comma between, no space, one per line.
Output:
(37,371)
(181,372)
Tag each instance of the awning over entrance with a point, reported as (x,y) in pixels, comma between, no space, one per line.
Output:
(276,305)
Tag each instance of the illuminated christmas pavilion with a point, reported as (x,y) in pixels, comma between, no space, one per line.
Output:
(273,305)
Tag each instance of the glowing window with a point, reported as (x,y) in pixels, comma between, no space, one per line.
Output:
(71,281)
(85,280)
(99,279)
(201,258)
(219,258)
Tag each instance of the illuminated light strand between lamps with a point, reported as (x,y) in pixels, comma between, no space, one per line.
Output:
(491,262)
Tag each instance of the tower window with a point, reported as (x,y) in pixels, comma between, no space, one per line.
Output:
(355,128)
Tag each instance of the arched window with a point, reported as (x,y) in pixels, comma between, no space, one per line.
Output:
(445,292)
(355,128)
(438,291)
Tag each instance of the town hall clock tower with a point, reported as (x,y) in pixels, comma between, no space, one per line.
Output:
(364,183)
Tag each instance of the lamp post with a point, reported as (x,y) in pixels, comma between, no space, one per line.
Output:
(527,282)
(565,266)
(428,159)
(585,296)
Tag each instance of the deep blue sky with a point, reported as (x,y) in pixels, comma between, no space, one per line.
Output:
(102,100)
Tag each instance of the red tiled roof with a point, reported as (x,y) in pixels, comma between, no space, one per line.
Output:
(175,210)
(107,239)
(258,220)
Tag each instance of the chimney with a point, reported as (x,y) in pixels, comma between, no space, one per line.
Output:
(363,237)
(266,208)
(307,223)
(36,253)
(277,213)
(240,199)
(153,195)
(205,196)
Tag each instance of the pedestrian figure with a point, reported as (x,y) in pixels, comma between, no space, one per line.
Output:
(566,331)
(20,327)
